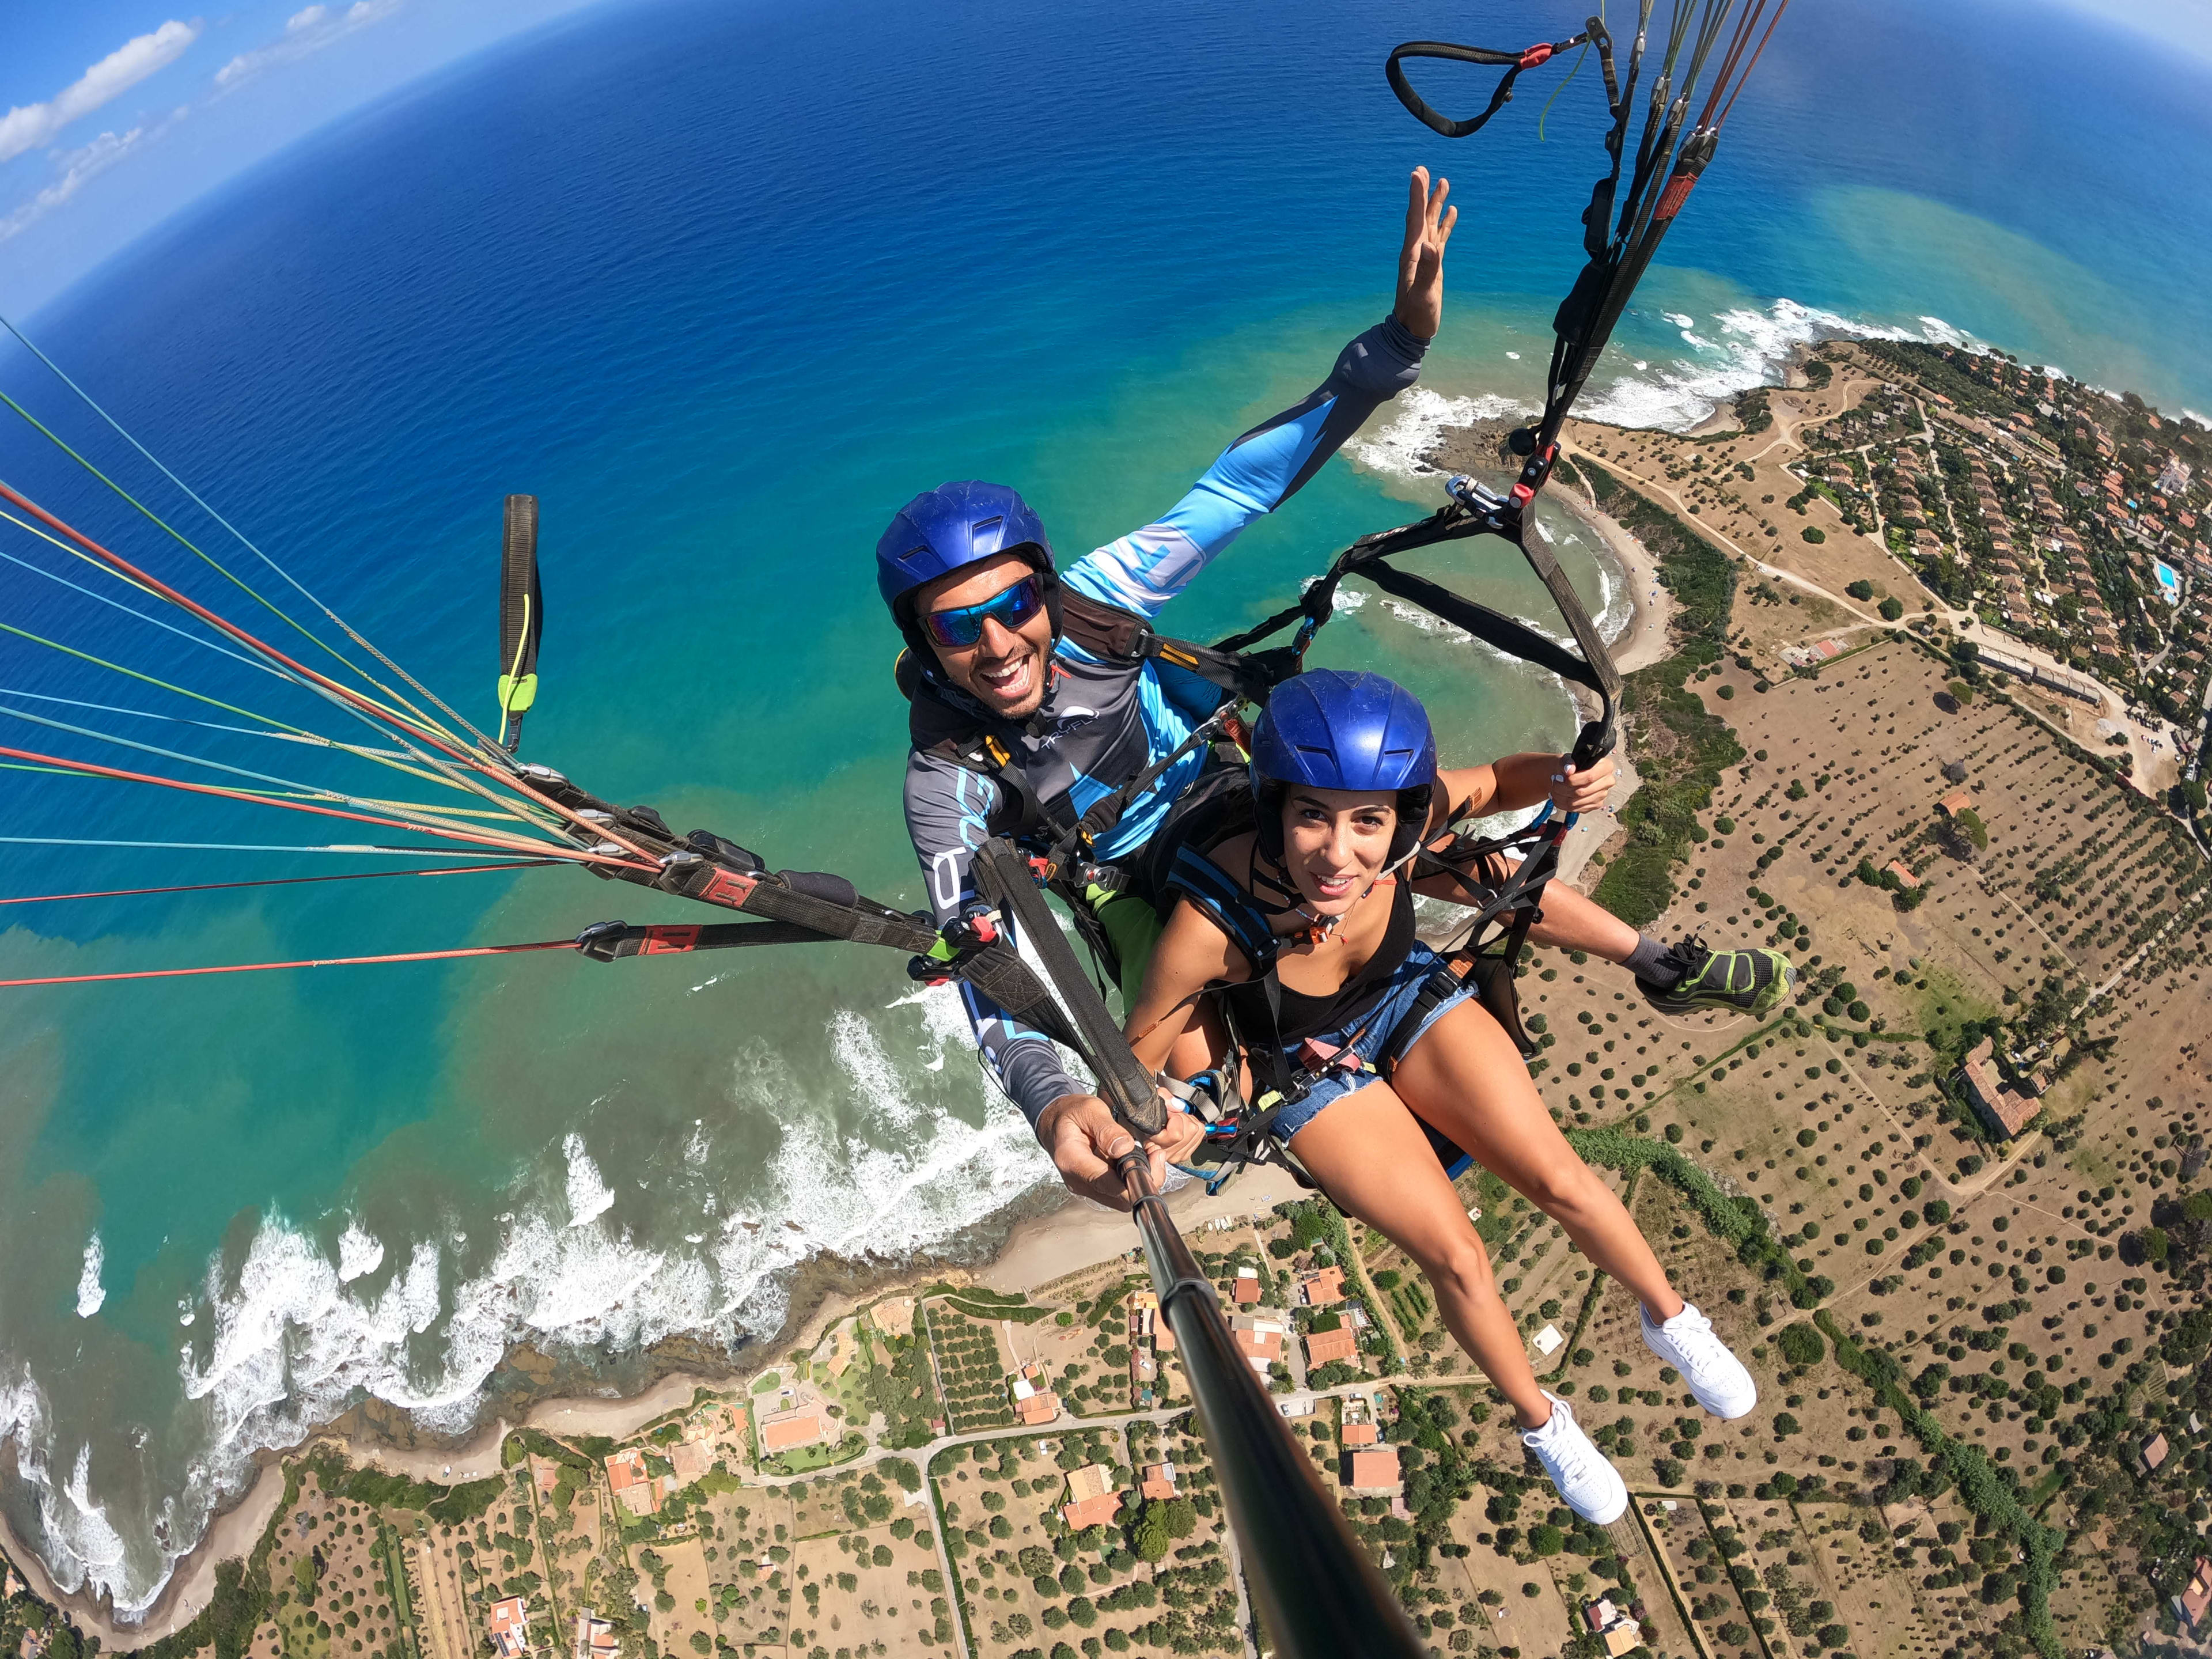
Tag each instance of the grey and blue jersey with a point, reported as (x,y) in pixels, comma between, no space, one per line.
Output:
(1102,723)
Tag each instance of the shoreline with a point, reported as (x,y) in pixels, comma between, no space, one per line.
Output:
(1642,640)
(1036,1249)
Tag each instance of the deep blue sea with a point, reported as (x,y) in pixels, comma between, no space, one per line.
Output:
(723,284)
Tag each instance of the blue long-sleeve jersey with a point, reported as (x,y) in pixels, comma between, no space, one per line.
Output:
(1102,723)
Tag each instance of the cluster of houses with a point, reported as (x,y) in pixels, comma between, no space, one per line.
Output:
(719,1432)
(506,1626)
(1093,1500)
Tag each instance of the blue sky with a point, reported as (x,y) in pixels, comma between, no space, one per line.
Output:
(119,112)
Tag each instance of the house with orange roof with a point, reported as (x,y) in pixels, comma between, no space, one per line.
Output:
(1259,1340)
(1248,1287)
(1902,872)
(802,1427)
(509,1626)
(1323,1346)
(1040,1406)
(2000,1107)
(1159,1482)
(1322,1287)
(595,1636)
(1360,1434)
(634,1487)
(1093,1500)
(2196,1599)
(1956,802)
(1373,1472)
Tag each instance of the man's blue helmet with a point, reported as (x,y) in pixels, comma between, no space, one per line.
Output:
(955,524)
(1330,729)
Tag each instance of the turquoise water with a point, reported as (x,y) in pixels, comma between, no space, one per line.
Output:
(723,297)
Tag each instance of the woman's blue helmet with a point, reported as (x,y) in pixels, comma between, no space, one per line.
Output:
(1330,729)
(955,524)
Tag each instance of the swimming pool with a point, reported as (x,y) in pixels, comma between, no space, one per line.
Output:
(2169,579)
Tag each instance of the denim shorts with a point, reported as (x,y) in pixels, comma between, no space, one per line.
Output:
(1381,1022)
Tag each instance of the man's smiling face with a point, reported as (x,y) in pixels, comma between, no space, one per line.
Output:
(1007,669)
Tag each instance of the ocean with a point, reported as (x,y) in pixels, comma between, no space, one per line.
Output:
(723,292)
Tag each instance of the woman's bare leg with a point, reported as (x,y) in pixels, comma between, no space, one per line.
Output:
(1571,921)
(1465,1078)
(1372,1157)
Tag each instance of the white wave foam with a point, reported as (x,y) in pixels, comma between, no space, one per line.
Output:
(589,1196)
(293,1339)
(90,1293)
(360,1252)
(1422,418)
(1752,348)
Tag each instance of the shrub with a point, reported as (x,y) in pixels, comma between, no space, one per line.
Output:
(1861,589)
(1725,693)
(1891,609)
(1802,1345)
(1813,532)
(1544,1538)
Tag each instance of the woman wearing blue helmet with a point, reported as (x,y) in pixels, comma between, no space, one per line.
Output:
(1304,927)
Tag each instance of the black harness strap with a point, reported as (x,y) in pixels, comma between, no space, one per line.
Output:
(1003,876)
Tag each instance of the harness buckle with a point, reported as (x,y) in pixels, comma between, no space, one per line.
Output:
(970,933)
(1042,868)
(1318,1057)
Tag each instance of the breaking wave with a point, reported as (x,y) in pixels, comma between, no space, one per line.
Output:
(1743,347)
(1422,418)
(90,1292)
(291,1338)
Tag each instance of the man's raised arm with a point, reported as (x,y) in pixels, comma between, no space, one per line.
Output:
(1143,571)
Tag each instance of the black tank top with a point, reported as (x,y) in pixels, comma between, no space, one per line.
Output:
(1231,907)
(1305,1016)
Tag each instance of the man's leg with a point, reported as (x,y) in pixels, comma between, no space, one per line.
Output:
(1132,927)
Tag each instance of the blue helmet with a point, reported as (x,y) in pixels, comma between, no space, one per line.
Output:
(1331,730)
(955,524)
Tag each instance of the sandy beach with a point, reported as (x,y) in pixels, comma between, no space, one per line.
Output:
(1641,643)
(1040,1248)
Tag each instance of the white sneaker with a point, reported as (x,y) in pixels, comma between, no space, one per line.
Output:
(1715,1375)
(1588,1482)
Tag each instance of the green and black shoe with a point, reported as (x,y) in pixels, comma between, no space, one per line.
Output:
(1739,982)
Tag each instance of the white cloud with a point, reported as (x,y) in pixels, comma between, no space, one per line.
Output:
(305,32)
(29,125)
(78,167)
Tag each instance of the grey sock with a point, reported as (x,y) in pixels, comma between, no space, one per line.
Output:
(1648,962)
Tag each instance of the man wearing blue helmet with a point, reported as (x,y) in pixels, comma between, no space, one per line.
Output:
(1037,698)
(1025,714)
(1300,930)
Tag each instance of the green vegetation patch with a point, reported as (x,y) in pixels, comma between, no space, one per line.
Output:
(1682,749)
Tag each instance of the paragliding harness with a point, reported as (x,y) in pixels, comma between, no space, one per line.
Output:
(1500,879)
(1061,844)
(1038,844)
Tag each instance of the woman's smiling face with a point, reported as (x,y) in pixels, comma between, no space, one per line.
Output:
(1336,842)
